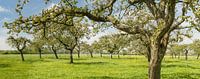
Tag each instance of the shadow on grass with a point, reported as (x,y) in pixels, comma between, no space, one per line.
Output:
(90,63)
(174,61)
(139,66)
(102,77)
(34,61)
(181,66)
(73,59)
(181,76)
(4,65)
(108,77)
(126,58)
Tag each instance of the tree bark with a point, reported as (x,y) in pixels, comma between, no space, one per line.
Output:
(22,55)
(71,57)
(158,50)
(155,62)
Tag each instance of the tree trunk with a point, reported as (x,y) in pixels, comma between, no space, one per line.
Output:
(79,51)
(71,57)
(186,54)
(148,53)
(91,55)
(40,52)
(154,69)
(118,54)
(101,55)
(111,55)
(78,54)
(158,53)
(22,55)
(158,50)
(55,53)
(198,56)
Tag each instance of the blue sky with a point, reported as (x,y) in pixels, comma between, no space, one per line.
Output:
(7,13)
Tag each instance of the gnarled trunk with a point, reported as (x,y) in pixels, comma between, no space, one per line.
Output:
(158,50)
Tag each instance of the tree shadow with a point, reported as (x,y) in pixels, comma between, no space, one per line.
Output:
(73,59)
(139,66)
(181,76)
(90,63)
(125,58)
(108,77)
(34,61)
(4,65)
(102,77)
(170,61)
(181,66)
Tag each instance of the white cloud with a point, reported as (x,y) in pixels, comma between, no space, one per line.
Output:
(2,9)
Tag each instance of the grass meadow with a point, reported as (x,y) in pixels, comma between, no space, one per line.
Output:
(127,67)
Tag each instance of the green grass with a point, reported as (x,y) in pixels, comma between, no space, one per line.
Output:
(127,67)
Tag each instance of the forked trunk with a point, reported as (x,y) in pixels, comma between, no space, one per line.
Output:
(22,55)
(158,50)
(71,57)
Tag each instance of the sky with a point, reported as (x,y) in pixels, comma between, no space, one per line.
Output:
(8,14)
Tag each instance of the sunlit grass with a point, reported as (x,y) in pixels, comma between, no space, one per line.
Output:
(127,67)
